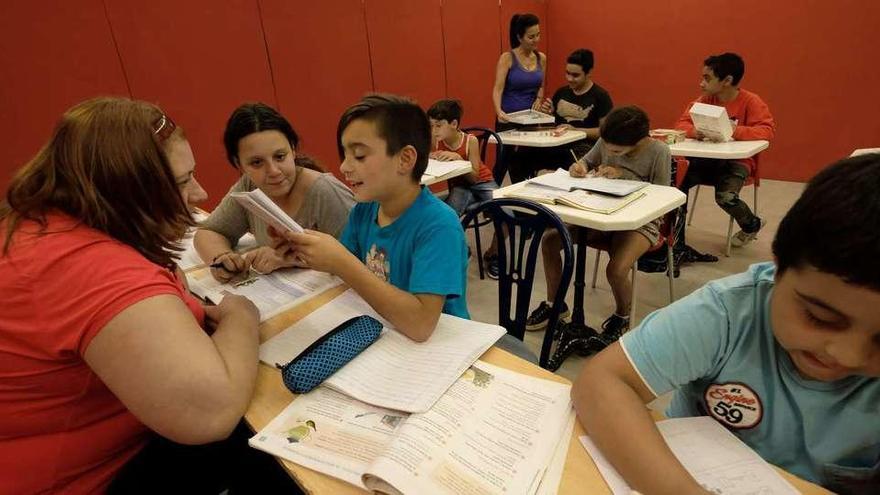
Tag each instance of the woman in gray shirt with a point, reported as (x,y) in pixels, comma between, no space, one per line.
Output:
(261,144)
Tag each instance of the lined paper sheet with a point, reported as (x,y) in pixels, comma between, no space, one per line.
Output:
(716,458)
(394,372)
(290,342)
(271,294)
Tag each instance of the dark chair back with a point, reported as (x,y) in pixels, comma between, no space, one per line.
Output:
(517,260)
(483,134)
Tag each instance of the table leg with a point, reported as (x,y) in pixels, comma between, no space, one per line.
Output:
(575,336)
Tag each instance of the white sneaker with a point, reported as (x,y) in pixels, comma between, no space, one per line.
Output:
(742,238)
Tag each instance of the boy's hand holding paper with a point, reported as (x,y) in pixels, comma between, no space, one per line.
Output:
(318,251)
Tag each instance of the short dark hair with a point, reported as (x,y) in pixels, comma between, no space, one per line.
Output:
(625,126)
(519,24)
(582,57)
(726,64)
(249,118)
(833,225)
(447,110)
(399,121)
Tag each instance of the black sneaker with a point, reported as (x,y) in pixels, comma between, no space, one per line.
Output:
(612,329)
(491,265)
(541,315)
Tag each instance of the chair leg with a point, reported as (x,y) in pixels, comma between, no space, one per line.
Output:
(693,207)
(729,237)
(632,302)
(670,271)
(596,267)
(479,247)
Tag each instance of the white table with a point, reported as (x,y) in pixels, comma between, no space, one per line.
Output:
(427,180)
(539,139)
(730,150)
(864,151)
(658,201)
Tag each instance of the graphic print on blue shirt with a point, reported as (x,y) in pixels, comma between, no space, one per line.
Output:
(377,262)
(733,404)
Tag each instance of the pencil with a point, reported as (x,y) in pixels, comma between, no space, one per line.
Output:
(573,155)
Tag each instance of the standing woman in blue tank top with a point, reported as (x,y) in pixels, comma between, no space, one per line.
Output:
(519,75)
(519,85)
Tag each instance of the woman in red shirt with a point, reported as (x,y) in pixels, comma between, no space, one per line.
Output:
(99,341)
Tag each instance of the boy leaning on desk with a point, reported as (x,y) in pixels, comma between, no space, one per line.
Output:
(785,355)
(624,151)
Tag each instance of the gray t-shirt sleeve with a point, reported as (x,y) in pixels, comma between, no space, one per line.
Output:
(594,156)
(229,219)
(661,172)
(327,205)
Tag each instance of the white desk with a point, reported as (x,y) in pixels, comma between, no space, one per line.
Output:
(539,139)
(427,180)
(864,151)
(658,200)
(730,150)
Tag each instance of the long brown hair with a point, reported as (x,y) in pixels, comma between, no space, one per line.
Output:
(105,166)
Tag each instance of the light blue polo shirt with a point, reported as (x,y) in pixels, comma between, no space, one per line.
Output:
(422,252)
(716,349)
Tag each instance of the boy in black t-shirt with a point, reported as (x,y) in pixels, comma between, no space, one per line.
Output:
(582,105)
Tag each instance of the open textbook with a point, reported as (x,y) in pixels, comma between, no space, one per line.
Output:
(562,180)
(263,207)
(493,432)
(395,371)
(530,117)
(712,121)
(271,293)
(582,200)
(718,460)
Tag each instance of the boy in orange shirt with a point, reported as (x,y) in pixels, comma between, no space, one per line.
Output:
(752,121)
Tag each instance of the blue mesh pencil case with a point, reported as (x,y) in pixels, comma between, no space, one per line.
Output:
(329,353)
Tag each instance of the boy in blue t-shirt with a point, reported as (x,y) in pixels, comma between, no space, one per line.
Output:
(785,355)
(403,250)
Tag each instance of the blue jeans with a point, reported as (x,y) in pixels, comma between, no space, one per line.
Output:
(460,197)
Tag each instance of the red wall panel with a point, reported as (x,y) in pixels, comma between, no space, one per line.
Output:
(471,34)
(537,7)
(51,58)
(810,62)
(198,60)
(321,65)
(406,48)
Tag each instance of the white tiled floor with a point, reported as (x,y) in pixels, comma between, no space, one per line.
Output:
(706,234)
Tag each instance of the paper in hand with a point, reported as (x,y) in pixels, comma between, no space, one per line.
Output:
(260,205)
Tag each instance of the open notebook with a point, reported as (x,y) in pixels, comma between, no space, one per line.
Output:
(716,458)
(562,180)
(582,200)
(272,293)
(494,431)
(437,168)
(395,371)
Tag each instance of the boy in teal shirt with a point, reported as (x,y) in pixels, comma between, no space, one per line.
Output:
(403,250)
(785,355)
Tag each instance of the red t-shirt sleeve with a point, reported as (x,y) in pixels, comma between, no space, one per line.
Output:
(90,286)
